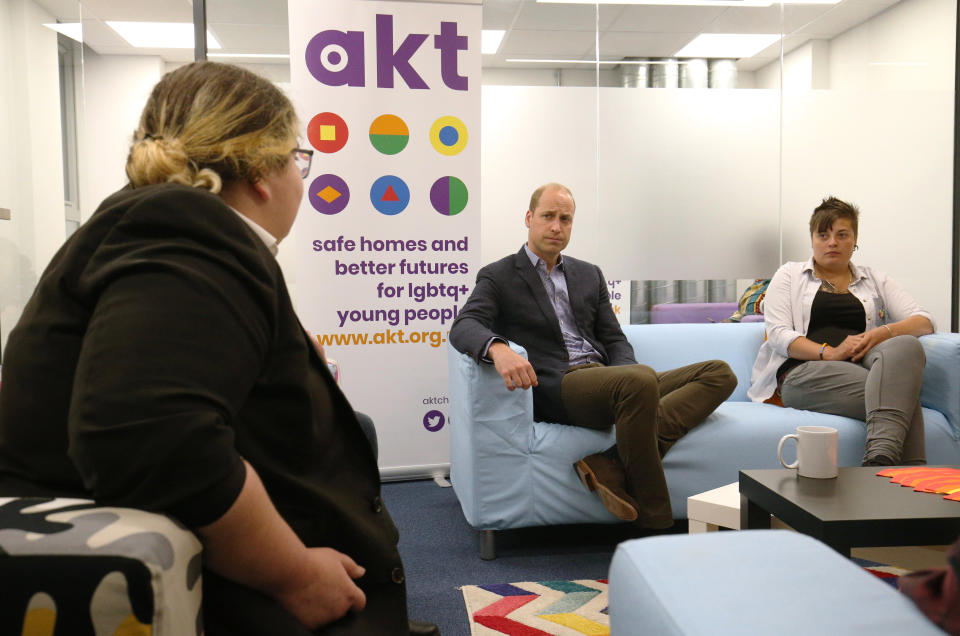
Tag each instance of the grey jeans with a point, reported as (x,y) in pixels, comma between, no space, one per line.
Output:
(882,390)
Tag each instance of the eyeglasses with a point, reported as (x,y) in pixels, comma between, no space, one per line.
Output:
(304,159)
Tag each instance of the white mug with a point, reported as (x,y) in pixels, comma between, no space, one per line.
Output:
(816,451)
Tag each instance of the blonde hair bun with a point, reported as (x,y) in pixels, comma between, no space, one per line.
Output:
(206,123)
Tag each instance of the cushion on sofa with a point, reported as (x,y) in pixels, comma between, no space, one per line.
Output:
(664,347)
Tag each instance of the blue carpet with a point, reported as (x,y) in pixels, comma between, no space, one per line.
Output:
(441,552)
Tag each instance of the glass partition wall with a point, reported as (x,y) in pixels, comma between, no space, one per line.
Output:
(40,80)
(697,136)
(706,132)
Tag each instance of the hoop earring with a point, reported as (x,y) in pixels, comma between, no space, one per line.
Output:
(856,247)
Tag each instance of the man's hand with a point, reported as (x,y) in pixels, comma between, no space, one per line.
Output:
(323,589)
(516,371)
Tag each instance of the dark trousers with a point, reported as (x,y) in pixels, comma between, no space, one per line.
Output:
(650,412)
(231,609)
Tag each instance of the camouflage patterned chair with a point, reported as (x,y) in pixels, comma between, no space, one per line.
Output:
(68,566)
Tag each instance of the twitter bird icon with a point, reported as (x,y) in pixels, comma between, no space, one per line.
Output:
(433,421)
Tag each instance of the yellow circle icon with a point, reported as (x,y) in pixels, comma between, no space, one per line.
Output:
(448,135)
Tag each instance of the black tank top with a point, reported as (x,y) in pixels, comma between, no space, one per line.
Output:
(833,317)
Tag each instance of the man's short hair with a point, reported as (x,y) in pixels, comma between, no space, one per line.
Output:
(535,197)
(831,209)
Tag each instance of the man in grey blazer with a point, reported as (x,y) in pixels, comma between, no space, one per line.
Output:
(581,367)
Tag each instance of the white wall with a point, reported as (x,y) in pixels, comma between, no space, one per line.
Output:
(910,46)
(532,136)
(891,153)
(31,179)
(115,89)
(806,67)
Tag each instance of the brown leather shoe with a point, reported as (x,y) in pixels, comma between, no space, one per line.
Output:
(606,476)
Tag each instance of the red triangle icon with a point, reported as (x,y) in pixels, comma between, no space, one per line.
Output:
(390,195)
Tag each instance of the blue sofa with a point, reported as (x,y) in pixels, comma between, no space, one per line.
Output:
(509,471)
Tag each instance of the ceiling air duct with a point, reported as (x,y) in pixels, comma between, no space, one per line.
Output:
(723,74)
(664,73)
(634,73)
(694,73)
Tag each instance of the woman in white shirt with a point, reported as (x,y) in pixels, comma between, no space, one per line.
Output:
(842,339)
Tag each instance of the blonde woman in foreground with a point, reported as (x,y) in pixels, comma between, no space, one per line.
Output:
(160,365)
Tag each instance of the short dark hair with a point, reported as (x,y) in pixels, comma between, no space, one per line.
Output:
(831,209)
(535,197)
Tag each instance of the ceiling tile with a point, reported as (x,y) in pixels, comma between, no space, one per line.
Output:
(240,38)
(665,19)
(499,14)
(621,44)
(845,16)
(765,19)
(548,44)
(565,17)
(253,12)
(138,10)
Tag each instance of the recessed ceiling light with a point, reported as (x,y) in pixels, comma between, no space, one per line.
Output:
(73,30)
(159,35)
(728,45)
(490,40)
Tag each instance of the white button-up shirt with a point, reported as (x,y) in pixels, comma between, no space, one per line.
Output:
(579,349)
(786,311)
(268,239)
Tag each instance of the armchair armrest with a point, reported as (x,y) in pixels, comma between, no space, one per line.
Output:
(489,425)
(96,569)
(941,377)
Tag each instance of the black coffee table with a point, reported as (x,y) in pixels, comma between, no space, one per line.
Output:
(855,509)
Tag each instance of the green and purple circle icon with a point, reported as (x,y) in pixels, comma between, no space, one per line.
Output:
(329,194)
(448,195)
(389,195)
(389,134)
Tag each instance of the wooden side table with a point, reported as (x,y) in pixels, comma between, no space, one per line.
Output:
(717,508)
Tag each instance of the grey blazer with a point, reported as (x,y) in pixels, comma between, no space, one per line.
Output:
(510,302)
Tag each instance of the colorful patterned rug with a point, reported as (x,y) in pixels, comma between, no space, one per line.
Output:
(547,608)
(886,573)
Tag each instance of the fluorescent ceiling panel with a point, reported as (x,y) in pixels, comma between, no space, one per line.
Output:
(728,45)
(251,55)
(159,35)
(490,40)
(537,60)
(73,30)
(694,3)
